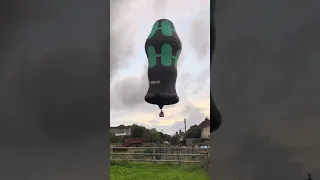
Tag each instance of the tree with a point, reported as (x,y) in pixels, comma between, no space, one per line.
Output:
(175,139)
(146,134)
(114,138)
(152,135)
(194,132)
(137,131)
(165,137)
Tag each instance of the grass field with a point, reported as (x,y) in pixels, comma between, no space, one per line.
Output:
(150,171)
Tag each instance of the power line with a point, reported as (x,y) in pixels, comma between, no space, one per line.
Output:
(178,124)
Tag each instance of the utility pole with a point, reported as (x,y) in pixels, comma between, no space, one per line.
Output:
(162,136)
(185,131)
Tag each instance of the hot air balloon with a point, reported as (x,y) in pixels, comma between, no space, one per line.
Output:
(214,112)
(163,48)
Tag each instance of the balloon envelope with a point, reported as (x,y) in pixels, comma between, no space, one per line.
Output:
(163,48)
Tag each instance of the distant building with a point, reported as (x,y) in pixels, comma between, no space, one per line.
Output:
(205,132)
(121,130)
(205,128)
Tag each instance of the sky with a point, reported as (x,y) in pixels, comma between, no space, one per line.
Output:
(129,81)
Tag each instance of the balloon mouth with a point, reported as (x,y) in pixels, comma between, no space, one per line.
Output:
(162,99)
(160,106)
(215,116)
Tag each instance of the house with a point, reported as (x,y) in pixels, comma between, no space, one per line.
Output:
(205,128)
(121,130)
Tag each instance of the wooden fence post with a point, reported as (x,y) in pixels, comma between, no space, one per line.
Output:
(154,155)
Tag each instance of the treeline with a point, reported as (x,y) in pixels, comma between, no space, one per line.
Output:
(149,135)
(153,136)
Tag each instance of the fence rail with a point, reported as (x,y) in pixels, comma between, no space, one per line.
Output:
(160,154)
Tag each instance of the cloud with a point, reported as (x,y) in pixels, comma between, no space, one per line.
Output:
(129,92)
(121,35)
(147,115)
(200,42)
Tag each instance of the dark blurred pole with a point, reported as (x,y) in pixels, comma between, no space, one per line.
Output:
(309,176)
(215,116)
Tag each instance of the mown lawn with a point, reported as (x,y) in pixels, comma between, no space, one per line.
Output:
(150,171)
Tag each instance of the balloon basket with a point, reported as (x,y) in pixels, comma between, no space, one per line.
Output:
(161,114)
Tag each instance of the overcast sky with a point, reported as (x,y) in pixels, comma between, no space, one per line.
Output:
(131,23)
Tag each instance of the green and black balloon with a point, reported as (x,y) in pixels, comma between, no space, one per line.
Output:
(163,48)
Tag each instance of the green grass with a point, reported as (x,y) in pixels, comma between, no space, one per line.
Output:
(150,171)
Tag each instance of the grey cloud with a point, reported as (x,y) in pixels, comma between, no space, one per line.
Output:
(129,92)
(199,37)
(160,5)
(188,84)
(121,38)
(181,58)
(202,81)
(183,84)
(194,115)
(154,122)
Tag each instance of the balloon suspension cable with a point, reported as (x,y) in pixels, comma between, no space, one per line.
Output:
(160,106)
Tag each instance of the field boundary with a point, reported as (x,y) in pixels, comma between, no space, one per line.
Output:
(160,154)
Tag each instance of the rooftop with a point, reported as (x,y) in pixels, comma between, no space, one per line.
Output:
(121,127)
(205,123)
